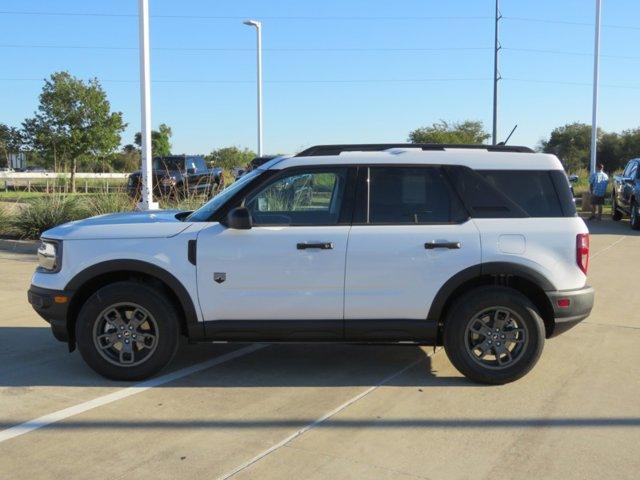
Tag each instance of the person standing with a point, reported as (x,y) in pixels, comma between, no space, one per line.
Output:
(598,182)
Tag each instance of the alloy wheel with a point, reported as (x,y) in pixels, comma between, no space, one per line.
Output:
(125,334)
(496,337)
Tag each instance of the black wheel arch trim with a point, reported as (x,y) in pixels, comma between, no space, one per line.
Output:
(194,327)
(498,269)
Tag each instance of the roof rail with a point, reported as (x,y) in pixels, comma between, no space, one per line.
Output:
(378,147)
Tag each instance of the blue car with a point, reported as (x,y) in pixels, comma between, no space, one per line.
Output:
(625,195)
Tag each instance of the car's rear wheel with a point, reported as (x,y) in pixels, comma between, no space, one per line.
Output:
(493,335)
(634,217)
(616,215)
(127,331)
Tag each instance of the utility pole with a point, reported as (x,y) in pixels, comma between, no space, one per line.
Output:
(596,75)
(258,26)
(496,74)
(146,202)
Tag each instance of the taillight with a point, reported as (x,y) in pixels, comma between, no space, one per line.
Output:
(582,251)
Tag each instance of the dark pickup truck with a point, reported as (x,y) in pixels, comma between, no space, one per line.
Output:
(178,175)
(625,195)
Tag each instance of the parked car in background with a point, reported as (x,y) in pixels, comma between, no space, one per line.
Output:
(625,194)
(178,175)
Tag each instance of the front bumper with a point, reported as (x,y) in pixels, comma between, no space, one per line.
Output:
(570,307)
(52,305)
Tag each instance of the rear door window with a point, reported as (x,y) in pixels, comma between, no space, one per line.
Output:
(412,195)
(533,191)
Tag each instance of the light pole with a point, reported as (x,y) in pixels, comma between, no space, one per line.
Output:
(146,202)
(496,74)
(258,25)
(596,75)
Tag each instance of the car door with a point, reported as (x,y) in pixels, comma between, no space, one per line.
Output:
(412,235)
(289,266)
(628,184)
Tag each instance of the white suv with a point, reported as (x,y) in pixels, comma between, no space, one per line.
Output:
(475,248)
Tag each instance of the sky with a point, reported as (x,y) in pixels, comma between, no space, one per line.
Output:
(335,71)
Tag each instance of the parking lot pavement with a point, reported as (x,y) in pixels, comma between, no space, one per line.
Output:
(333,411)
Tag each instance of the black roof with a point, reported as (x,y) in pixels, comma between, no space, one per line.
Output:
(378,147)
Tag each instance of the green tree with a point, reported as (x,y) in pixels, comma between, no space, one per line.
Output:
(73,122)
(160,144)
(571,144)
(629,146)
(229,158)
(469,132)
(609,151)
(10,141)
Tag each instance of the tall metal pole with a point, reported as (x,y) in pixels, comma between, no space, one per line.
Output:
(496,74)
(258,25)
(146,202)
(596,75)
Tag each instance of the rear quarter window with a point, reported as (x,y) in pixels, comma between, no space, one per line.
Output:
(539,193)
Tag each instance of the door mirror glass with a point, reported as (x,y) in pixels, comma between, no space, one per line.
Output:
(239,218)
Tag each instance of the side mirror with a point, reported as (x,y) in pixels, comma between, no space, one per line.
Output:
(574,178)
(239,218)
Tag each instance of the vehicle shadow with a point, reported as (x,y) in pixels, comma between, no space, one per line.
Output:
(30,357)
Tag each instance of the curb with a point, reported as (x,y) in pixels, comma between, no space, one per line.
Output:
(19,246)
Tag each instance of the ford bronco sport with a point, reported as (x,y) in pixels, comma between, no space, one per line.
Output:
(476,248)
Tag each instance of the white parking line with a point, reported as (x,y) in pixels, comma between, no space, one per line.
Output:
(317,422)
(54,417)
(607,248)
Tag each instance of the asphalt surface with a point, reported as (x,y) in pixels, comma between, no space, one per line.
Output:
(329,411)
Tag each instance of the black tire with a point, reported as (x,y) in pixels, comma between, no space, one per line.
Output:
(616,215)
(458,331)
(160,331)
(634,216)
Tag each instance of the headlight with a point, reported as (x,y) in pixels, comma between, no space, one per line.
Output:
(50,255)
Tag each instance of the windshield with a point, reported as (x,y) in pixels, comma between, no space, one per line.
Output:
(204,212)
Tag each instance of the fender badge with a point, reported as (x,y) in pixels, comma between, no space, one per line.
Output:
(219,277)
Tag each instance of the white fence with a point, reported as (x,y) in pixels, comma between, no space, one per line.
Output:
(49,181)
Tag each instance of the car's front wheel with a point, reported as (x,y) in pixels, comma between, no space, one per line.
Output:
(493,335)
(127,331)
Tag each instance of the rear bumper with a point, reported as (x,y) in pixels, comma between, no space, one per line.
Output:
(570,307)
(49,305)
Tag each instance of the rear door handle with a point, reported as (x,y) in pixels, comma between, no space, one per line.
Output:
(318,245)
(449,245)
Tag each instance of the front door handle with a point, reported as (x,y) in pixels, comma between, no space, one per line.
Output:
(318,245)
(449,245)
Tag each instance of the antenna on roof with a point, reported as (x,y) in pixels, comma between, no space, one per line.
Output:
(509,136)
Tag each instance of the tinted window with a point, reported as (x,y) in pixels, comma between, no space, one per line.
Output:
(533,191)
(412,195)
(627,169)
(633,170)
(482,199)
(168,163)
(196,164)
(300,198)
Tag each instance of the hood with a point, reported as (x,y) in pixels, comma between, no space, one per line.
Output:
(149,224)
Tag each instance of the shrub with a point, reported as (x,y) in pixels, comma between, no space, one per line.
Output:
(45,213)
(106,203)
(189,202)
(5,222)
